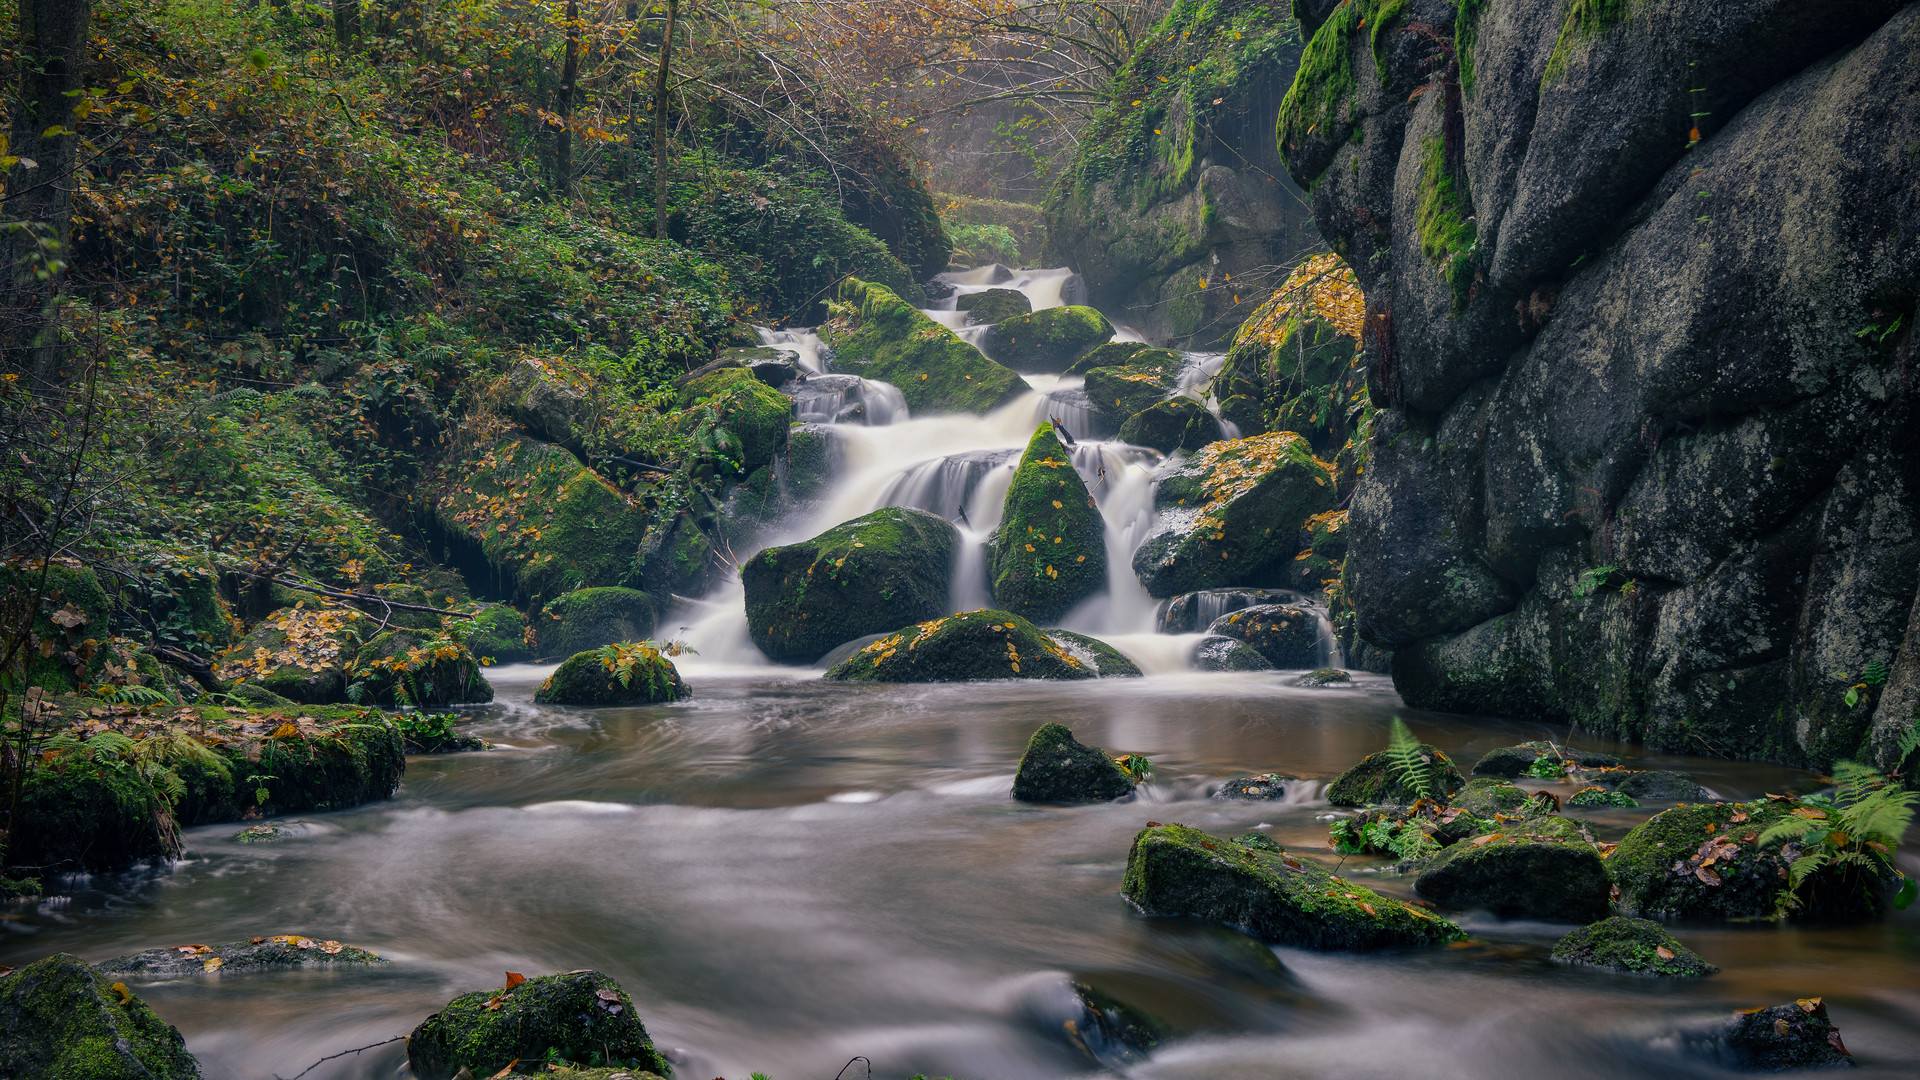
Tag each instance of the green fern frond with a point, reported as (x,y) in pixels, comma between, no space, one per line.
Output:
(1791,828)
(1408,760)
(1804,866)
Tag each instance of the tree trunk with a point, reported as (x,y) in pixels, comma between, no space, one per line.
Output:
(563,107)
(346,21)
(660,124)
(40,182)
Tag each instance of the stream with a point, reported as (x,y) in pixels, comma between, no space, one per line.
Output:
(786,872)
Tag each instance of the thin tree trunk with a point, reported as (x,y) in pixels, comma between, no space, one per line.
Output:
(40,181)
(660,124)
(563,107)
(346,21)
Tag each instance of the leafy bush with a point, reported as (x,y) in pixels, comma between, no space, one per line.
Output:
(977,245)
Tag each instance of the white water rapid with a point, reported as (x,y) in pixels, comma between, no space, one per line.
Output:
(959,466)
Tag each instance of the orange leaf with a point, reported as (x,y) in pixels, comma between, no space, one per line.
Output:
(508,1071)
(1366,907)
(1482,841)
(514,979)
(1663,952)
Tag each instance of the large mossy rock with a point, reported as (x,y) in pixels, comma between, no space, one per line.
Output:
(301,653)
(423,670)
(59,1020)
(1289,637)
(498,633)
(1137,379)
(1113,354)
(543,523)
(1631,947)
(73,609)
(1799,1035)
(860,577)
(968,647)
(1217,652)
(1508,762)
(1058,768)
(280,952)
(592,678)
(1377,780)
(1515,876)
(589,618)
(993,305)
(877,335)
(1178,423)
(1231,514)
(736,423)
(582,1017)
(1106,661)
(1277,898)
(1292,370)
(1048,340)
(1170,201)
(1050,552)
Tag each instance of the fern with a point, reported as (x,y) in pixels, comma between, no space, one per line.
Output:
(135,694)
(1859,827)
(1409,761)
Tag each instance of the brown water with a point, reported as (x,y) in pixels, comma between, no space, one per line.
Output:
(785,873)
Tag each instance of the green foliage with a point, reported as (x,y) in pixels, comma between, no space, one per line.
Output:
(1547,767)
(1855,832)
(977,245)
(1590,581)
(1406,839)
(1444,220)
(1582,21)
(1410,761)
(1138,767)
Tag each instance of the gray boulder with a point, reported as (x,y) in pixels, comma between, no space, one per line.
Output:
(1220,653)
(1289,637)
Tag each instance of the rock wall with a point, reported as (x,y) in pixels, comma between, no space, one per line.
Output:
(1641,285)
(1177,209)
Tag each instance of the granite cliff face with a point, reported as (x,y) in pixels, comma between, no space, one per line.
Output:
(1641,281)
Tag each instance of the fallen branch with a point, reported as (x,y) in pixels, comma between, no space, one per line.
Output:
(341,1054)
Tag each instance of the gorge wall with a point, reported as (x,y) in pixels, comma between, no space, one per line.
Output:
(1641,281)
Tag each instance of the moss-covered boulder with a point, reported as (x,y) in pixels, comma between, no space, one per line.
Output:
(1274,896)
(1524,760)
(300,653)
(877,335)
(1263,787)
(1631,947)
(1289,637)
(1656,785)
(1292,370)
(1113,354)
(1133,382)
(1178,423)
(1799,1035)
(280,952)
(967,647)
(59,1020)
(550,401)
(582,1017)
(1217,652)
(589,618)
(993,305)
(74,610)
(1590,798)
(1485,796)
(424,670)
(1519,876)
(1378,780)
(1050,339)
(629,673)
(543,522)
(498,633)
(860,577)
(1050,552)
(736,423)
(677,558)
(1703,861)
(1231,514)
(1106,661)
(1058,768)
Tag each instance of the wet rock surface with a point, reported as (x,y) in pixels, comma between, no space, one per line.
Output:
(1231,514)
(1631,947)
(1217,652)
(1058,768)
(860,577)
(1799,1035)
(1378,780)
(1050,551)
(1262,786)
(580,1017)
(279,952)
(1289,637)
(60,1020)
(968,647)
(639,676)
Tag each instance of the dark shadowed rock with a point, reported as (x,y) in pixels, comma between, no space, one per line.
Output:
(874,573)
(1508,762)
(1657,786)
(993,305)
(281,952)
(1264,786)
(1289,637)
(1517,877)
(1178,423)
(1795,1036)
(1631,947)
(570,1018)
(59,1020)
(589,618)
(1377,780)
(1059,768)
(1218,652)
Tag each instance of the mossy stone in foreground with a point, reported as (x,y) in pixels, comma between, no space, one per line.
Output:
(877,335)
(1282,900)
(301,653)
(1050,339)
(1289,637)
(1485,796)
(582,1017)
(586,679)
(1377,780)
(59,1020)
(1799,1035)
(968,647)
(1599,796)
(589,618)
(280,952)
(1050,551)
(1122,389)
(1108,662)
(1631,947)
(874,573)
(1516,876)
(993,305)
(1658,865)
(1059,768)
(1178,423)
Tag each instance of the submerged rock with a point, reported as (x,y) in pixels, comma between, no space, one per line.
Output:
(1289,637)
(1108,662)
(1050,551)
(1377,780)
(281,952)
(1178,423)
(993,305)
(581,1017)
(1279,899)
(60,1020)
(877,335)
(1109,1030)
(1658,786)
(864,576)
(1631,947)
(1513,761)
(1231,515)
(1264,786)
(637,675)
(1058,768)
(1048,340)
(1520,877)
(589,618)
(1795,1036)
(971,646)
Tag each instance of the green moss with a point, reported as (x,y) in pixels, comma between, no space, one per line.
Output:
(1466,31)
(736,423)
(1325,80)
(1178,423)
(968,647)
(877,335)
(1375,780)
(1277,898)
(1485,796)
(865,576)
(1599,796)
(1543,870)
(65,1022)
(1655,865)
(1444,221)
(580,1017)
(586,679)
(589,618)
(1050,552)
(1582,21)
(1108,661)
(417,668)
(994,305)
(1050,339)
(1631,947)
(74,594)
(498,633)
(1058,768)
(1147,376)
(1302,379)
(1110,354)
